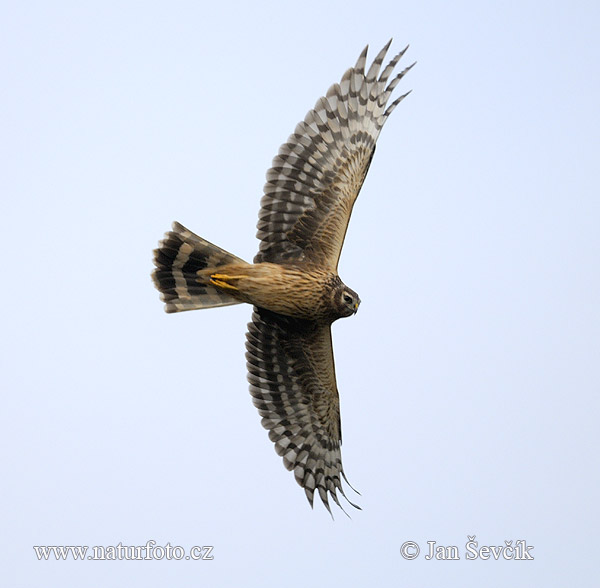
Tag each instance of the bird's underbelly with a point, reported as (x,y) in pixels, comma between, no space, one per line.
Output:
(291,291)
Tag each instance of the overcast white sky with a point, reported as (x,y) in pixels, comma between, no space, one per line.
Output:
(469,378)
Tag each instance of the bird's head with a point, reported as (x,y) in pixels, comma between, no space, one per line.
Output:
(346,301)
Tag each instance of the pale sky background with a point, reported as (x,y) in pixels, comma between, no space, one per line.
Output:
(469,378)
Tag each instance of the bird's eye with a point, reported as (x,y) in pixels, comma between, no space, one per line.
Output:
(347,299)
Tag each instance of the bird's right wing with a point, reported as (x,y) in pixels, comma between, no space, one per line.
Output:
(318,173)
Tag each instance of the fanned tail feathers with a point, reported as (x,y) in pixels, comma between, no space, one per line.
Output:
(179,257)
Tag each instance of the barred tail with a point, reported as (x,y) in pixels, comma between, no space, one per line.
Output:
(180,255)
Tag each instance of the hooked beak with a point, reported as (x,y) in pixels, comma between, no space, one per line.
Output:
(356,305)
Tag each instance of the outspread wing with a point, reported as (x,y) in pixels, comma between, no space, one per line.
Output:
(292,381)
(318,173)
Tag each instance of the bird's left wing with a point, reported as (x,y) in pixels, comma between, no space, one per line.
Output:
(318,173)
(292,381)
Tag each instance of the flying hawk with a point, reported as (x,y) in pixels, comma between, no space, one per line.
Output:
(293,283)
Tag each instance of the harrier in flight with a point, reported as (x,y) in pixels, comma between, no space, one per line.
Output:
(293,283)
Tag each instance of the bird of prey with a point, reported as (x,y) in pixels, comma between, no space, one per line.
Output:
(293,283)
